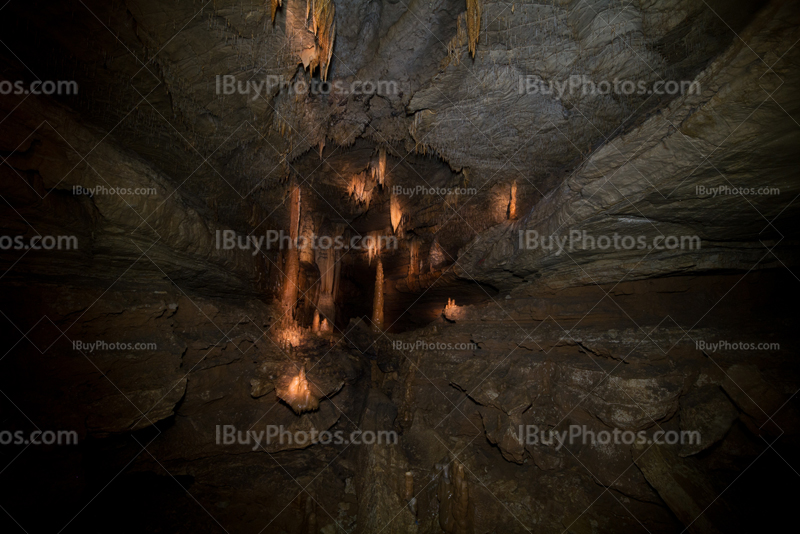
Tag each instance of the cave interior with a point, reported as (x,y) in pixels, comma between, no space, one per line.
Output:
(399,266)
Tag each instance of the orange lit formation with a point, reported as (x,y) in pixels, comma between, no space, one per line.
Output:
(290,335)
(468,29)
(297,393)
(378,166)
(450,309)
(373,243)
(396,213)
(328,262)
(414,261)
(357,189)
(512,203)
(292,269)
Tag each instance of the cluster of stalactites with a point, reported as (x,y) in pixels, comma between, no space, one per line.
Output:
(378,166)
(358,191)
(373,243)
(455,44)
(319,20)
(473,24)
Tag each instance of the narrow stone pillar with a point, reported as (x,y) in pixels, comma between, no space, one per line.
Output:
(377,303)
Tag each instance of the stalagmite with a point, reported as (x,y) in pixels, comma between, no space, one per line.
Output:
(377,302)
(409,486)
(455,508)
(292,268)
(414,263)
(512,204)
(306,234)
(315,324)
(409,492)
(327,260)
(296,392)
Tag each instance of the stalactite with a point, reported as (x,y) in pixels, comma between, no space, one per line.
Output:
(327,260)
(396,212)
(373,241)
(377,302)
(357,189)
(275,5)
(436,256)
(473,24)
(323,27)
(455,44)
(378,166)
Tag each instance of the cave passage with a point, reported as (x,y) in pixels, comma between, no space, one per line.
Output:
(380,266)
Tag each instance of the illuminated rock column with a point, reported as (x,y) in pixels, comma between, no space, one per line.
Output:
(377,303)
(413,258)
(512,203)
(292,268)
(327,257)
